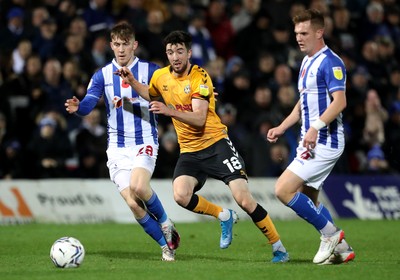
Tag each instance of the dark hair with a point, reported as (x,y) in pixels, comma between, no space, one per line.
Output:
(122,30)
(179,37)
(313,15)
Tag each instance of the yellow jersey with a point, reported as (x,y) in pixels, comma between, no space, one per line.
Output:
(177,93)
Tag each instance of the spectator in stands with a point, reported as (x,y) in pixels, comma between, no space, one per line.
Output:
(373,25)
(6,133)
(376,117)
(283,76)
(39,14)
(257,151)
(392,138)
(280,157)
(98,17)
(319,5)
(386,53)
(74,49)
(263,72)
(133,12)
(216,70)
(47,42)
(254,39)
(49,149)
(73,75)
(20,55)
(260,103)
(56,89)
(202,47)
(100,52)
(285,101)
(181,15)
(281,47)
(67,10)
(236,130)
(344,30)
(393,24)
(221,29)
(238,89)
(12,160)
(377,162)
(14,31)
(243,18)
(78,26)
(151,38)
(90,142)
(168,155)
(393,88)
(20,99)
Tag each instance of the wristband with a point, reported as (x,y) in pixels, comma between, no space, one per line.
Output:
(318,124)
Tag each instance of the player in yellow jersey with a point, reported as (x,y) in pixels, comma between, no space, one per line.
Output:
(188,98)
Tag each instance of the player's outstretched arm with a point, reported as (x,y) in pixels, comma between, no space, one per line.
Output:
(128,77)
(72,105)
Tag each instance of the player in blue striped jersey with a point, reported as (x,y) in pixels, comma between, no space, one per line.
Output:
(132,136)
(322,86)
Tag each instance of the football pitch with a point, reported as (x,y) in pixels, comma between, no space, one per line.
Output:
(124,251)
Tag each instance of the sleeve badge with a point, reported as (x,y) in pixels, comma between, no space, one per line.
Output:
(204,91)
(338,73)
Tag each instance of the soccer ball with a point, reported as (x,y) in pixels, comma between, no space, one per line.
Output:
(67,252)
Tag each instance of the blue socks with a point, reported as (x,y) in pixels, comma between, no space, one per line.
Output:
(305,208)
(152,228)
(155,207)
(324,211)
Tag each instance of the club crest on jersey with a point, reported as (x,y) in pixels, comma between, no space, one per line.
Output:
(337,72)
(187,89)
(204,90)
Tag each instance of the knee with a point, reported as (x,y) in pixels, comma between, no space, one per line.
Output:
(283,194)
(245,200)
(280,193)
(138,189)
(182,196)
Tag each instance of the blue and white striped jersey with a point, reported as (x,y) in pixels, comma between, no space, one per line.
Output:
(320,76)
(129,121)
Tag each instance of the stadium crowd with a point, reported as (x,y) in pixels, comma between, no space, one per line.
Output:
(49,49)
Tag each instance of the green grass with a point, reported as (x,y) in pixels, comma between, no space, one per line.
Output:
(123,251)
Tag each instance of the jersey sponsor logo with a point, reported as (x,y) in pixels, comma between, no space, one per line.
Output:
(187,89)
(204,91)
(184,107)
(338,73)
(164,88)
